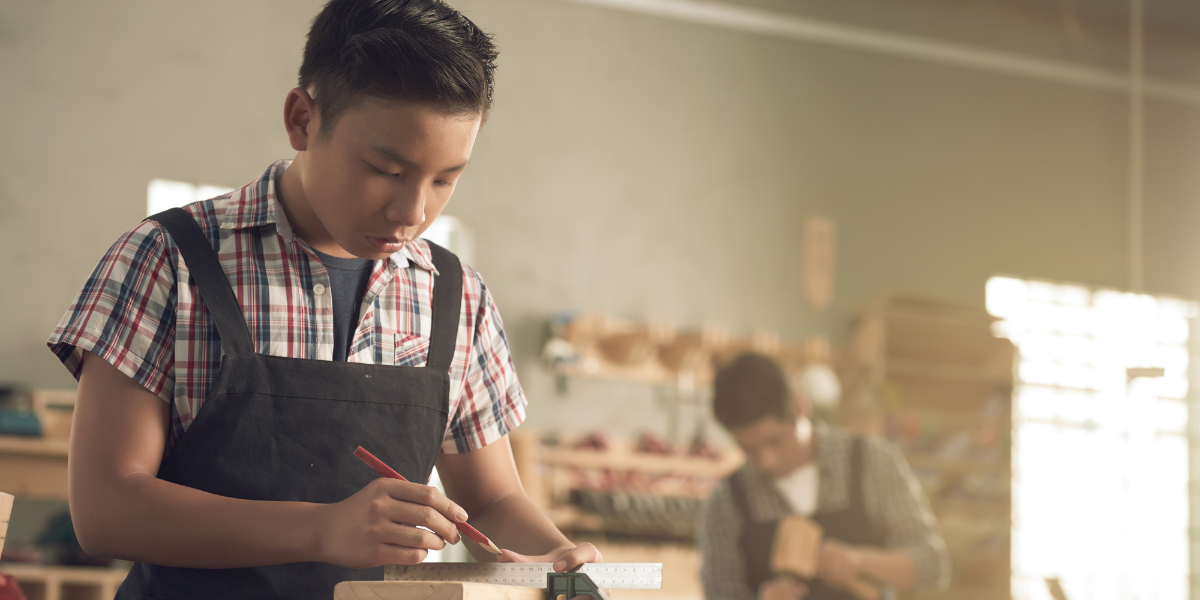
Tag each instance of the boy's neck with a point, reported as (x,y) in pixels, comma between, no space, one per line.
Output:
(806,450)
(304,222)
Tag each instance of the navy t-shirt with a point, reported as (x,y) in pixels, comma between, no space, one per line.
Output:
(348,278)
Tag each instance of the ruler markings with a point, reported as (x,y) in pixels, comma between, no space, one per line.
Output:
(612,575)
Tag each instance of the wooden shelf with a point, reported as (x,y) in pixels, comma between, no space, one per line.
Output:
(940,363)
(33,446)
(958,466)
(645,374)
(622,458)
(58,583)
(948,372)
(33,467)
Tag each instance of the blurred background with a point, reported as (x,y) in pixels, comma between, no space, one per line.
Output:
(968,226)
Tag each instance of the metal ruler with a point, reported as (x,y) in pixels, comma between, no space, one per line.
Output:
(621,576)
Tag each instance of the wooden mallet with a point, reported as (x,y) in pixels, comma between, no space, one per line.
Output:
(797,548)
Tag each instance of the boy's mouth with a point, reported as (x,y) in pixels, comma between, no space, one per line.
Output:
(388,245)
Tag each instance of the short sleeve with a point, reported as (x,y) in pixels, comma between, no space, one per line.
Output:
(491,402)
(906,516)
(125,313)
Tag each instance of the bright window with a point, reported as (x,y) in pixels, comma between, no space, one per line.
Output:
(450,233)
(1100,447)
(165,193)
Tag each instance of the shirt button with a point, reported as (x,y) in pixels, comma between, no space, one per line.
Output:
(319,289)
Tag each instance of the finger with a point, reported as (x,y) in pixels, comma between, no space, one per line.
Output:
(426,495)
(508,556)
(394,534)
(418,514)
(573,558)
(401,555)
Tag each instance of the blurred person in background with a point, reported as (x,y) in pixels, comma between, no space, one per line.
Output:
(877,521)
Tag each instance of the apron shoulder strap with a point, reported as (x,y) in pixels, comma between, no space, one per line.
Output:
(858,501)
(741,501)
(217,294)
(447,308)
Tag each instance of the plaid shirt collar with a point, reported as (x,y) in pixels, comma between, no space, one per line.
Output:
(256,204)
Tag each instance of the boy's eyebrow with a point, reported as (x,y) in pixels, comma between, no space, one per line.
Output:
(393,155)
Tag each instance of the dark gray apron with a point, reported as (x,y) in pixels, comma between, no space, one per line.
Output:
(277,428)
(850,525)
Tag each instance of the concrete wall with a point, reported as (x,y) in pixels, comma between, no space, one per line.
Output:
(645,168)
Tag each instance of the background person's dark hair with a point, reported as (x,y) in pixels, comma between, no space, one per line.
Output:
(749,388)
(411,50)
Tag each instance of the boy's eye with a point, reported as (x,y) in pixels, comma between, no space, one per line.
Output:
(381,171)
(441,183)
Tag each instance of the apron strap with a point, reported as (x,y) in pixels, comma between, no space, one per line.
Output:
(447,308)
(858,502)
(217,294)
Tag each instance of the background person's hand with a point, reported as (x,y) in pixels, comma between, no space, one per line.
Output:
(782,588)
(838,564)
(382,524)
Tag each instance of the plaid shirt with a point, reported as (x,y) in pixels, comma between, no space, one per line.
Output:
(893,497)
(134,313)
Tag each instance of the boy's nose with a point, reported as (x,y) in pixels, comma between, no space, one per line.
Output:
(408,209)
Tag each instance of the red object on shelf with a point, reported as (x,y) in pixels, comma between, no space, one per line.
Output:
(9,590)
(593,441)
(388,472)
(649,443)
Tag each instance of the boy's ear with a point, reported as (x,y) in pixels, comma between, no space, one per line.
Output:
(300,118)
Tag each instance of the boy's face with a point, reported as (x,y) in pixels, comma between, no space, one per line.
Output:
(385,173)
(771,444)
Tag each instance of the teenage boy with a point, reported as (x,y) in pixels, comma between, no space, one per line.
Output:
(231,356)
(877,522)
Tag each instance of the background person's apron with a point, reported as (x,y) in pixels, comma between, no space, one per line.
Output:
(276,428)
(850,525)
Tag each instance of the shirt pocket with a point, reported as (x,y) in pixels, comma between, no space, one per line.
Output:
(411,350)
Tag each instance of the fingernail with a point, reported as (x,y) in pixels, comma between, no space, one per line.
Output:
(460,515)
(560,566)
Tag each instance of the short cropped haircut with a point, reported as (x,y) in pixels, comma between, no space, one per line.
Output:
(750,388)
(419,51)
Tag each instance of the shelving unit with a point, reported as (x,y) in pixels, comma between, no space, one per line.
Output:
(600,347)
(65,583)
(37,468)
(550,476)
(931,377)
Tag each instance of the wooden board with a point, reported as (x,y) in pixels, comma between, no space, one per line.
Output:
(797,547)
(431,590)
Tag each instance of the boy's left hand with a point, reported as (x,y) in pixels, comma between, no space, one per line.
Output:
(564,559)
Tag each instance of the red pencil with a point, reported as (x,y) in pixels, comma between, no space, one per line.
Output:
(387,471)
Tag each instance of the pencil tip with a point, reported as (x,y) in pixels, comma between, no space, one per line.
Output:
(491,547)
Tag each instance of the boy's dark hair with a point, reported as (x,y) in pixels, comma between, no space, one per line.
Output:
(414,50)
(749,388)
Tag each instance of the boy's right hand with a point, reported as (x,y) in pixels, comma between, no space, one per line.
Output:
(380,525)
